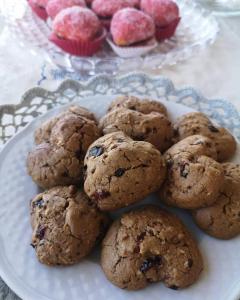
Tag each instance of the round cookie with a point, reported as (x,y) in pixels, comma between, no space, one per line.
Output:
(198,123)
(150,245)
(192,181)
(144,106)
(66,225)
(50,166)
(195,145)
(43,133)
(222,220)
(153,127)
(120,171)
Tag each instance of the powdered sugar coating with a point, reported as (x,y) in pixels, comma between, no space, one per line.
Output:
(107,8)
(55,6)
(131,26)
(162,11)
(77,23)
(41,3)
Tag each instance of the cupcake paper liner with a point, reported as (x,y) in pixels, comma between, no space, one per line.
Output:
(163,33)
(79,48)
(132,51)
(39,11)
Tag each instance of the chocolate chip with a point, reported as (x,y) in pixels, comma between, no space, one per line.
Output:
(39,203)
(99,195)
(183,171)
(32,245)
(119,172)
(132,107)
(212,128)
(174,287)
(96,151)
(120,140)
(150,263)
(190,262)
(40,232)
(141,236)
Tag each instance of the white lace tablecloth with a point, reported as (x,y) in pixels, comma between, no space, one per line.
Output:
(214,71)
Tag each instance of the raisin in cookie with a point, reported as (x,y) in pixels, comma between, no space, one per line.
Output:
(43,133)
(195,145)
(120,171)
(50,166)
(66,225)
(192,181)
(150,245)
(144,106)
(222,220)
(153,127)
(198,123)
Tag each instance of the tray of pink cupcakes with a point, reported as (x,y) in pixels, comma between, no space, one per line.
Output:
(150,33)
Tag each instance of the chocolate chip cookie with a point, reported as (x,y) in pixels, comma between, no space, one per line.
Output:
(198,123)
(222,220)
(66,225)
(120,171)
(153,127)
(150,245)
(144,106)
(195,145)
(43,133)
(192,181)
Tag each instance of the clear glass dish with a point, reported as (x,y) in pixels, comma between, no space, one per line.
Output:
(222,7)
(198,28)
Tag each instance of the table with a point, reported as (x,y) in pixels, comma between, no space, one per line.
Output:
(215,71)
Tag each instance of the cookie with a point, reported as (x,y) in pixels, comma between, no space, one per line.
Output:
(145,106)
(43,133)
(222,220)
(197,123)
(59,161)
(66,225)
(50,166)
(120,171)
(153,127)
(150,245)
(192,181)
(195,145)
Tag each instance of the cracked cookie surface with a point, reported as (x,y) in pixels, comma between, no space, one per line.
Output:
(198,123)
(43,132)
(144,106)
(153,127)
(222,220)
(59,161)
(120,171)
(150,245)
(66,225)
(192,181)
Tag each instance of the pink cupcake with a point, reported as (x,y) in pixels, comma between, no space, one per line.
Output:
(78,31)
(132,33)
(105,9)
(165,14)
(39,8)
(55,6)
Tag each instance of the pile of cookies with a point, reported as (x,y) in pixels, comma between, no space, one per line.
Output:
(90,168)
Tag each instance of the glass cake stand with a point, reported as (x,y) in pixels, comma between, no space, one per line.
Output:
(198,29)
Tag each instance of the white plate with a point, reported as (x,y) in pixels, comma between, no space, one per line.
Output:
(20,269)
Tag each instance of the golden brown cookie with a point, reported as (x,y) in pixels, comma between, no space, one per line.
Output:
(66,225)
(120,171)
(144,106)
(150,245)
(198,123)
(192,181)
(153,127)
(222,220)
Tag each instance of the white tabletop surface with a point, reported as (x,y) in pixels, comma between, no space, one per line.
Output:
(214,71)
